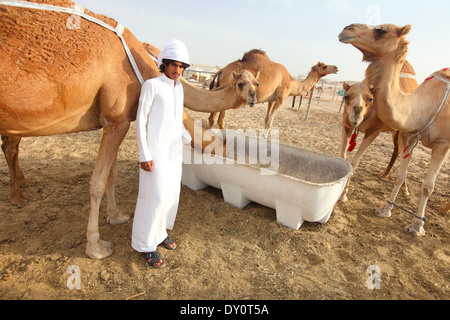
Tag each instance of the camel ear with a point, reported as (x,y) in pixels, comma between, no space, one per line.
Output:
(404,31)
(235,75)
(257,75)
(345,86)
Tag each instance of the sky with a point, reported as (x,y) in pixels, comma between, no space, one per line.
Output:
(295,33)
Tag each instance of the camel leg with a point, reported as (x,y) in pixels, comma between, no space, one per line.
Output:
(438,156)
(221,120)
(385,212)
(211,120)
(268,121)
(395,153)
(271,111)
(346,135)
(10,148)
(394,157)
(19,173)
(113,135)
(369,138)
(114,216)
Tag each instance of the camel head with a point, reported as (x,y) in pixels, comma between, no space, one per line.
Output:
(246,85)
(375,41)
(323,69)
(358,99)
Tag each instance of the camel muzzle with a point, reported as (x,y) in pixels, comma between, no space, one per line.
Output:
(347,36)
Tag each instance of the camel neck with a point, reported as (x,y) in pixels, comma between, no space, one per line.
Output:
(395,108)
(299,88)
(215,100)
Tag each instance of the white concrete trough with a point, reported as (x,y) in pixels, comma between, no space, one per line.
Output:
(300,185)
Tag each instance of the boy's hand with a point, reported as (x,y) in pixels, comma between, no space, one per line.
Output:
(147,166)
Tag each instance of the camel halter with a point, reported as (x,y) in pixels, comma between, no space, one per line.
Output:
(415,137)
(79,11)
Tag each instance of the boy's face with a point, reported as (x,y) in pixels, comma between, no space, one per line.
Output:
(174,70)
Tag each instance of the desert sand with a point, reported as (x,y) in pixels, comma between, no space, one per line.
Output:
(223,252)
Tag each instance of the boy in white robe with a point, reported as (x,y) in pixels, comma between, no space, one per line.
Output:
(160,137)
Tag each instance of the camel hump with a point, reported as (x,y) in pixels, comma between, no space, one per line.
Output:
(408,68)
(249,55)
(151,49)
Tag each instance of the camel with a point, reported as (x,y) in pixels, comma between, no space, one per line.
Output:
(275,82)
(240,90)
(56,80)
(422,115)
(319,90)
(360,116)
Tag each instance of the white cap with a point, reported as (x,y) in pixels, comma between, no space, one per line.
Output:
(174,50)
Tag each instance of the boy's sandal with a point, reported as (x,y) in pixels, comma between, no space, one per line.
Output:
(152,258)
(167,242)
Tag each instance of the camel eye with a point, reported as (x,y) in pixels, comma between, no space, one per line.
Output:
(240,85)
(346,98)
(257,84)
(379,33)
(370,99)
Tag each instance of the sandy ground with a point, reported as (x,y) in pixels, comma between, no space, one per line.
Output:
(223,252)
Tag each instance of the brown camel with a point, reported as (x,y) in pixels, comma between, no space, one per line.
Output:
(360,116)
(422,115)
(57,80)
(275,82)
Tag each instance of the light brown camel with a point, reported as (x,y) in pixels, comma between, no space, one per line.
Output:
(360,116)
(422,115)
(57,80)
(240,90)
(275,82)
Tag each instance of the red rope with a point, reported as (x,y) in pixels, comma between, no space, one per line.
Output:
(352,142)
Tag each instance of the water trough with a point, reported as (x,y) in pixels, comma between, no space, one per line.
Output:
(301,185)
